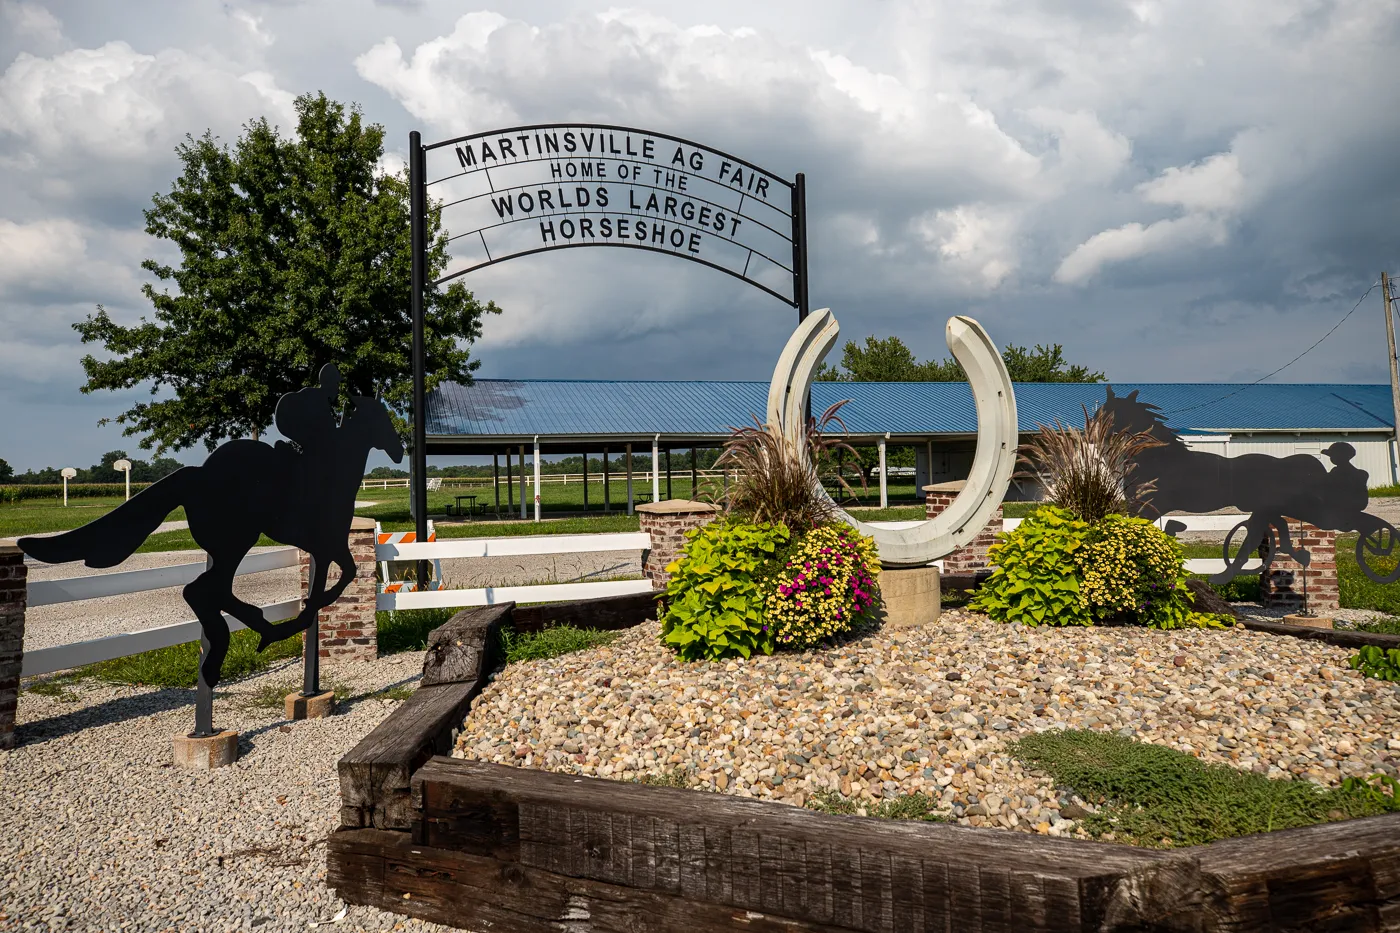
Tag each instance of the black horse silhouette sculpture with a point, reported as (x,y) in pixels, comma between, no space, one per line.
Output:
(300,493)
(1268,488)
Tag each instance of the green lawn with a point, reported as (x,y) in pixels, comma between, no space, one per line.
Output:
(38,515)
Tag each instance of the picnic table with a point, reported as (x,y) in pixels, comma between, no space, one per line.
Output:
(471,506)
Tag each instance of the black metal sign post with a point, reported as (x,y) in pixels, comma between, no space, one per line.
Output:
(799,248)
(418,222)
(529,189)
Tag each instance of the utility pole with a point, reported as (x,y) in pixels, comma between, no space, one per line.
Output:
(1394,375)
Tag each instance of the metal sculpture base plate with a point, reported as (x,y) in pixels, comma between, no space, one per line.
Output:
(1308,621)
(204,753)
(912,596)
(317,706)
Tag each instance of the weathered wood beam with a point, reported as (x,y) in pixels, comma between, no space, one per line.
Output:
(813,870)
(1336,876)
(608,613)
(1342,638)
(375,774)
(466,647)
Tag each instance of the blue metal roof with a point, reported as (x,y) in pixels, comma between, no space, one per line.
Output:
(545,407)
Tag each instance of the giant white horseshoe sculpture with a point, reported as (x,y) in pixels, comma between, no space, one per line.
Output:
(997,437)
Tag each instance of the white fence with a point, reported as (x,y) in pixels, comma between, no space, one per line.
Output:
(63,657)
(554,479)
(72,589)
(1210,523)
(514,546)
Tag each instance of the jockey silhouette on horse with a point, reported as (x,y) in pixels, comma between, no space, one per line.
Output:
(300,493)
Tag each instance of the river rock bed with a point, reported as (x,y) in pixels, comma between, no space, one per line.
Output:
(931,710)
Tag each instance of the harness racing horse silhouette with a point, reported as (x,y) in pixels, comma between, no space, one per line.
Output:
(1268,488)
(301,494)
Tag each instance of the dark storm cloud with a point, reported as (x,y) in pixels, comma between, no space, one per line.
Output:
(1173,191)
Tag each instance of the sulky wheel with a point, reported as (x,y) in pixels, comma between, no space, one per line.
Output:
(1228,546)
(1378,544)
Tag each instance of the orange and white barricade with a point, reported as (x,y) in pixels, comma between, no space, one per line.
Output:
(388,584)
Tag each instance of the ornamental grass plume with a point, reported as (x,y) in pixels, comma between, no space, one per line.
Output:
(1089,472)
(773,483)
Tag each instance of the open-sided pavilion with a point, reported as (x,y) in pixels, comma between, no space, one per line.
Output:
(520,418)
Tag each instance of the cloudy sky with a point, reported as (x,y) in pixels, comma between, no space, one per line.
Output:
(1176,191)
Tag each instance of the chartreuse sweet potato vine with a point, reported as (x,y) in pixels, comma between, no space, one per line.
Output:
(714,599)
(1054,569)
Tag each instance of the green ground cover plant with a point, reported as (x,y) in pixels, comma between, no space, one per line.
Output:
(552,642)
(906,807)
(1154,796)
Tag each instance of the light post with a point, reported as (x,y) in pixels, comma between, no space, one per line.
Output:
(125,467)
(67,474)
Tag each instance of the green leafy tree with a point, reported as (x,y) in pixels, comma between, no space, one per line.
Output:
(889,360)
(6,471)
(294,253)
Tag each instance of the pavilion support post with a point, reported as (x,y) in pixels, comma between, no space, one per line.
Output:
(496,480)
(630,503)
(655,467)
(668,473)
(585,481)
(537,478)
(884,475)
(928,480)
(510,486)
(523,492)
(607,484)
(694,474)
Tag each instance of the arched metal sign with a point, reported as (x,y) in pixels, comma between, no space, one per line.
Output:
(530,189)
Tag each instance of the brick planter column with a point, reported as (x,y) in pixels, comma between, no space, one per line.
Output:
(347,625)
(667,522)
(13,594)
(972,556)
(1283,586)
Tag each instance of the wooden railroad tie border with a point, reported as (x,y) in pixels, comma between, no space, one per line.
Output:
(487,846)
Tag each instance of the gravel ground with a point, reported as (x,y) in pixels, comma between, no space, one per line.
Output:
(102,833)
(930,710)
(64,623)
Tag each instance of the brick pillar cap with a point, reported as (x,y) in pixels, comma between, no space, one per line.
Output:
(956,485)
(10,550)
(359,523)
(677,507)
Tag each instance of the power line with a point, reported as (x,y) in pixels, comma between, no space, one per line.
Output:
(1295,359)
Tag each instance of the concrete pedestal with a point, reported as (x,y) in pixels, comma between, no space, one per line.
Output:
(911,596)
(216,751)
(1309,621)
(319,706)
